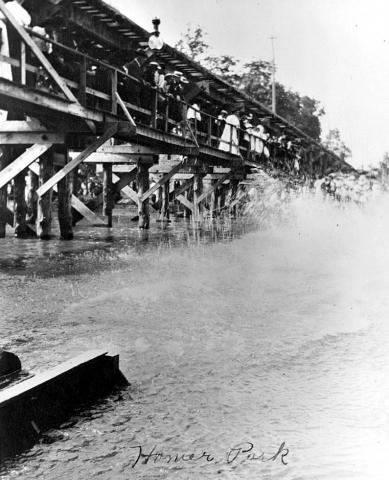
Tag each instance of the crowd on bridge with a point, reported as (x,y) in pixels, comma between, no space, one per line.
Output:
(159,96)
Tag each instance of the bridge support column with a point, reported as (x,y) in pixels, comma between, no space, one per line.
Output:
(221,198)
(4,161)
(165,214)
(107,193)
(214,200)
(234,192)
(43,223)
(143,205)
(65,191)
(20,205)
(197,191)
(32,198)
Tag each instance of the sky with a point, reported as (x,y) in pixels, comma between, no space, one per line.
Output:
(336,51)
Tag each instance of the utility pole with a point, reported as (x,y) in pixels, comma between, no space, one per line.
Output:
(273,96)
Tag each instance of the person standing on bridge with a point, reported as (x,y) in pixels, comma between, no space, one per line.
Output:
(229,141)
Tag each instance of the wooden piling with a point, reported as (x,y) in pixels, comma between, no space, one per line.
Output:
(65,191)
(107,193)
(143,182)
(32,198)
(197,191)
(44,215)
(20,205)
(165,214)
(234,192)
(221,198)
(4,161)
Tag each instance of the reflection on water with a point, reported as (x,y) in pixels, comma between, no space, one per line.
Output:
(277,335)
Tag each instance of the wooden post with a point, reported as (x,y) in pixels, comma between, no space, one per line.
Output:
(32,198)
(214,200)
(197,191)
(107,192)
(221,198)
(82,82)
(114,89)
(143,205)
(43,223)
(65,191)
(209,139)
(165,214)
(4,161)
(234,191)
(154,107)
(20,205)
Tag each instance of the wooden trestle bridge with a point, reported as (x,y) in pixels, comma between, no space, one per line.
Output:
(71,112)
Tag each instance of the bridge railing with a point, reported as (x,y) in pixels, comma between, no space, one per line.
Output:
(95,83)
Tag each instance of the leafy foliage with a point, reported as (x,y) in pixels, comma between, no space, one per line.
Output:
(254,79)
(334,142)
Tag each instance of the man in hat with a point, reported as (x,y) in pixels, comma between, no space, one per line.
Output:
(132,87)
(149,89)
(174,89)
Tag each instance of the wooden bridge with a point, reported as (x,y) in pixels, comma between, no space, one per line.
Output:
(76,97)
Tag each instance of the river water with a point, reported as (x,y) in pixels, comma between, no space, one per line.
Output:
(274,336)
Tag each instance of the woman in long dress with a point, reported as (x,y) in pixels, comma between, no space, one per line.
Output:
(229,141)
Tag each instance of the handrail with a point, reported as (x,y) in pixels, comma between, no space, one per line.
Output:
(156,114)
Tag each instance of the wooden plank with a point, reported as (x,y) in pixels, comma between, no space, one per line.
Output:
(90,216)
(37,52)
(114,158)
(125,110)
(128,149)
(213,188)
(29,138)
(28,386)
(22,162)
(34,101)
(160,182)
(185,202)
(21,126)
(76,161)
(187,184)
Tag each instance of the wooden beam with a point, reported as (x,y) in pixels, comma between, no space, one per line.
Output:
(29,138)
(213,188)
(76,161)
(160,182)
(182,188)
(76,203)
(21,126)
(125,110)
(185,202)
(22,162)
(86,212)
(35,102)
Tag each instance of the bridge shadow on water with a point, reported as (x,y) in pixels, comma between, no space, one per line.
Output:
(95,249)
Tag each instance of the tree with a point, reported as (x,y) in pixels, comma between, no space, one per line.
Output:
(254,79)
(193,43)
(334,142)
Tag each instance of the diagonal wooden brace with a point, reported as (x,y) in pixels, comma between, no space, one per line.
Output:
(185,202)
(37,52)
(163,180)
(41,57)
(76,161)
(213,188)
(22,162)
(76,203)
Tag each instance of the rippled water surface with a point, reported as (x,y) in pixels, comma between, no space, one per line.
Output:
(276,335)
